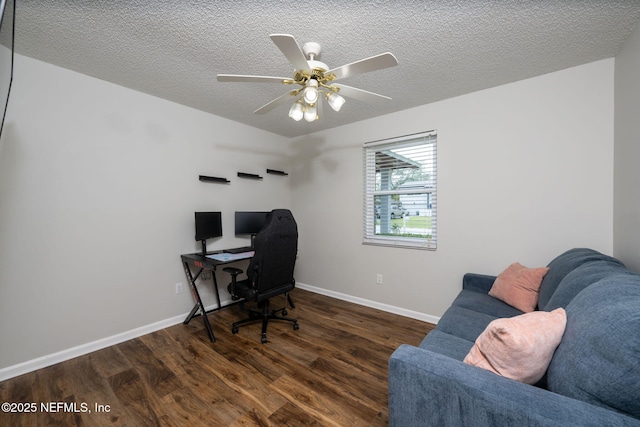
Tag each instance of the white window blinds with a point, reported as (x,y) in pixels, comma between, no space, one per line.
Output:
(400,191)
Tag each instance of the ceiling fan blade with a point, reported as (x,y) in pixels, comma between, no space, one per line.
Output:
(289,47)
(359,94)
(378,62)
(282,99)
(250,79)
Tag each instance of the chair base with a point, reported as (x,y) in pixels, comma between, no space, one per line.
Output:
(265,315)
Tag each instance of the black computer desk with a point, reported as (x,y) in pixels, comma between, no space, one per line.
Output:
(203,263)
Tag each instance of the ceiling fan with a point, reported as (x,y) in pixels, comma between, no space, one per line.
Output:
(315,79)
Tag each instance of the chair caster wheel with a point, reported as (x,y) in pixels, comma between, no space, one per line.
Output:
(234,330)
(296,326)
(284,312)
(263,339)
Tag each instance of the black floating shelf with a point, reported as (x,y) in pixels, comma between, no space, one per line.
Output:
(204,178)
(276,172)
(249,175)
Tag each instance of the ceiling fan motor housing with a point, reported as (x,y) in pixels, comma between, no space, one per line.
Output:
(311,51)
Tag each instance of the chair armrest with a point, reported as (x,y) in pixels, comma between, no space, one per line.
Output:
(231,288)
(478,282)
(427,388)
(233,271)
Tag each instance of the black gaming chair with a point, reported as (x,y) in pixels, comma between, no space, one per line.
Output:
(270,271)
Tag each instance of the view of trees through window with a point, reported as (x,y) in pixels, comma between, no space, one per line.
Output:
(400,194)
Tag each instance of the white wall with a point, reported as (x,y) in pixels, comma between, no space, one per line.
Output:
(98,185)
(525,171)
(627,153)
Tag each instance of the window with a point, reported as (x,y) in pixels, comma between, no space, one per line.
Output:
(400,192)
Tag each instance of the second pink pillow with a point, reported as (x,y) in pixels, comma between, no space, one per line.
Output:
(518,286)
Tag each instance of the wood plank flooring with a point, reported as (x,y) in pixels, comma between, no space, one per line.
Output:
(331,372)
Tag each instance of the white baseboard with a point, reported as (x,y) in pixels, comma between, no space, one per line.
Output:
(70,353)
(373,304)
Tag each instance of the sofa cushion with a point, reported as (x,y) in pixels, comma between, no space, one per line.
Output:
(580,278)
(518,286)
(446,344)
(562,265)
(464,323)
(597,360)
(483,303)
(520,347)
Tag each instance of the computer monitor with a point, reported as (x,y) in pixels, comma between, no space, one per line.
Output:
(208,226)
(250,222)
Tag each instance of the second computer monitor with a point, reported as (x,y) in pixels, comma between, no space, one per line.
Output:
(250,222)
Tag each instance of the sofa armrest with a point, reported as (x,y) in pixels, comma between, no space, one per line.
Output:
(478,282)
(427,388)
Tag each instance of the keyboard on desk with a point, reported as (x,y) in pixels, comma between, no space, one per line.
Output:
(238,250)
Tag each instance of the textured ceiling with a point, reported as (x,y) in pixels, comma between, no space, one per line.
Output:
(445,48)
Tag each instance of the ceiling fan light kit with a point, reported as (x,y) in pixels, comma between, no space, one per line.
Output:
(315,79)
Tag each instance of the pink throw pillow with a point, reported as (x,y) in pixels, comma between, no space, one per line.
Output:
(518,286)
(519,347)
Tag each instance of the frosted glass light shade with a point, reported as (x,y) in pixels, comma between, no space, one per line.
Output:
(311,112)
(296,112)
(335,101)
(311,92)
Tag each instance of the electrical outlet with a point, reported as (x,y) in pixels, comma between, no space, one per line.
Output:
(379,279)
(179,288)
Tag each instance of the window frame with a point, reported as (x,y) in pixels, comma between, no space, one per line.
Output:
(370,192)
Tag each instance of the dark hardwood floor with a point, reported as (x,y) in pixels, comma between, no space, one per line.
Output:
(331,372)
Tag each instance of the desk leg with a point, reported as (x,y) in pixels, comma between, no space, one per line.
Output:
(215,286)
(199,304)
(193,312)
(192,283)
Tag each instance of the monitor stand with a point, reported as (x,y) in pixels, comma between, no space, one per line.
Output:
(204,247)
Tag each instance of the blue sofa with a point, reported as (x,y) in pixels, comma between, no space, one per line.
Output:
(593,378)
